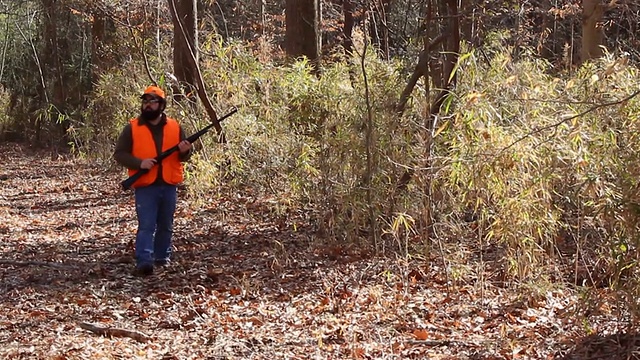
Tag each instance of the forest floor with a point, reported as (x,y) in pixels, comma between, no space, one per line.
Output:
(244,285)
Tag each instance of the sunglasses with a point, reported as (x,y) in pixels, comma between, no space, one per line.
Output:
(150,101)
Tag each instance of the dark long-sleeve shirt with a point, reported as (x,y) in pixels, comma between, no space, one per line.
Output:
(124,146)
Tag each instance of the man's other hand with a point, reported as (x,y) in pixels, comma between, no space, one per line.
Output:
(147,164)
(184,146)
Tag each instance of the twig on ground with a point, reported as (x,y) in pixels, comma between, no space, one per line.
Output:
(35,263)
(115,332)
(439,343)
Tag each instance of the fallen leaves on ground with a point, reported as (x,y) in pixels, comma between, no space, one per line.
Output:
(241,285)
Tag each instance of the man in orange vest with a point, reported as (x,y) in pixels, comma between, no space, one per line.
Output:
(140,142)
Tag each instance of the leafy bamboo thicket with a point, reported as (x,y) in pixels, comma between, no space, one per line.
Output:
(533,174)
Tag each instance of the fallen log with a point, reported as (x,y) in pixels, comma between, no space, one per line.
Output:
(115,332)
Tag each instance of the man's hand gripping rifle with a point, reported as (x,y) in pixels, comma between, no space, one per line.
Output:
(126,184)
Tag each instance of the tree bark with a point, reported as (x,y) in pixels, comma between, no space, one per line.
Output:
(263,16)
(51,51)
(545,46)
(302,34)
(447,80)
(419,71)
(592,35)
(470,24)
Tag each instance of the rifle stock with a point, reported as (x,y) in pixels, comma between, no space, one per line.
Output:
(128,183)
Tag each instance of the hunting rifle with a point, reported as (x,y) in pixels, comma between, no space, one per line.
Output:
(126,184)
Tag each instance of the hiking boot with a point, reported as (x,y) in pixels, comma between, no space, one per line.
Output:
(144,270)
(162,262)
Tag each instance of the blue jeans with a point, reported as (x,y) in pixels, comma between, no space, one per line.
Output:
(155,205)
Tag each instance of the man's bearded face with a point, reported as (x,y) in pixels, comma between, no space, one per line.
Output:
(151,108)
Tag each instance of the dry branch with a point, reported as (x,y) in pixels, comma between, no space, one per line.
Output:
(115,332)
(444,342)
(419,71)
(34,263)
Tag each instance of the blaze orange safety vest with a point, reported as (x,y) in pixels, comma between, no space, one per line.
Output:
(144,147)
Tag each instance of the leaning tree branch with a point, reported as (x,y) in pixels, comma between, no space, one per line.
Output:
(419,71)
(451,37)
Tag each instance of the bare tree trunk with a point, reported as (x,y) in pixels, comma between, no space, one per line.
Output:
(420,70)
(302,35)
(158,17)
(51,51)
(97,40)
(4,50)
(348,9)
(347,29)
(545,46)
(447,79)
(370,145)
(592,12)
(185,38)
(470,24)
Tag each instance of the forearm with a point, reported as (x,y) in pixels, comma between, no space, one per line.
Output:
(187,155)
(127,160)
(122,153)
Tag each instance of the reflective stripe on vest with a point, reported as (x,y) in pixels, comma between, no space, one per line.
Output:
(144,147)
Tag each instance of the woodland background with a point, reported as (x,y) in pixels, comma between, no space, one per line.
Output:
(496,140)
